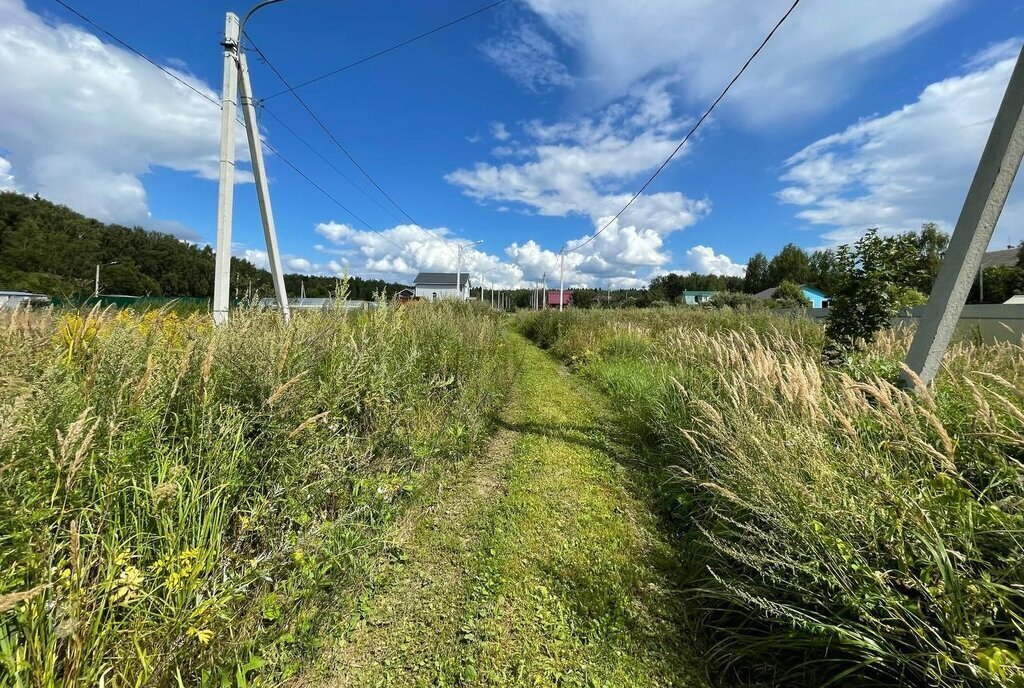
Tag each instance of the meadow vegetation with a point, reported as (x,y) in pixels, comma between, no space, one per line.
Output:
(833,529)
(182,505)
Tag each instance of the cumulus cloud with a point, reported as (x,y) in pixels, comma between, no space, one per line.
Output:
(376,254)
(6,177)
(586,167)
(530,58)
(913,165)
(500,131)
(704,260)
(820,53)
(82,120)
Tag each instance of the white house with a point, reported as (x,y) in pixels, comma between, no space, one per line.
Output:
(433,286)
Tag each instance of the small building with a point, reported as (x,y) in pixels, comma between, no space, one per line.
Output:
(696,298)
(435,286)
(552,298)
(12,300)
(405,295)
(817,297)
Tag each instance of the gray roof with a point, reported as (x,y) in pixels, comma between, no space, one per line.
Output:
(439,279)
(1001,258)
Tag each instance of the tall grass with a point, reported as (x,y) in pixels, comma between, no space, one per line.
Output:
(178,503)
(836,529)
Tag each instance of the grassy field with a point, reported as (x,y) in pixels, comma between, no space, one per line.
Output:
(539,564)
(833,529)
(181,506)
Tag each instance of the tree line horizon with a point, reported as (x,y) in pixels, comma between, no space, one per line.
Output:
(48,248)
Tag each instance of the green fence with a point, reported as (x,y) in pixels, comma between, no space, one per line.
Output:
(191,303)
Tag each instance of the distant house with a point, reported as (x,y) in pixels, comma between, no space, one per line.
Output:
(434,286)
(552,298)
(405,295)
(695,298)
(11,300)
(817,297)
(1006,257)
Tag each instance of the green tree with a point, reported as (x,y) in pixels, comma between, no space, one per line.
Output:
(791,264)
(825,270)
(932,243)
(877,278)
(756,278)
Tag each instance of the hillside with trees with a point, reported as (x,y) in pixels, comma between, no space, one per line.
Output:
(50,249)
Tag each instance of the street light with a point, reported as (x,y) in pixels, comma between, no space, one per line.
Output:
(96,291)
(458,265)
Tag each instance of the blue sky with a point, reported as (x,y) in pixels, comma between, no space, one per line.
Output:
(526,127)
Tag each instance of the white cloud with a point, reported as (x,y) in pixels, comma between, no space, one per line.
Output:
(910,166)
(704,260)
(815,60)
(6,176)
(529,58)
(299,265)
(82,121)
(588,167)
(499,131)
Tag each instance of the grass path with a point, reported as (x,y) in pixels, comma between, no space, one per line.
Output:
(540,565)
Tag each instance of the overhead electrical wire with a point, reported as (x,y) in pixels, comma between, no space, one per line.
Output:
(313,149)
(341,146)
(690,133)
(404,43)
(217,104)
(163,69)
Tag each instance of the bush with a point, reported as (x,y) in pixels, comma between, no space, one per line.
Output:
(790,295)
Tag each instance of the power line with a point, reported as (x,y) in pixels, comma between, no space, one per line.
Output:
(291,89)
(166,71)
(338,143)
(695,127)
(330,164)
(285,160)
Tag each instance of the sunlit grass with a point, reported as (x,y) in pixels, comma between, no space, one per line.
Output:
(836,529)
(176,500)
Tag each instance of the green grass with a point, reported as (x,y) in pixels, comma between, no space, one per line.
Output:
(179,505)
(836,530)
(541,565)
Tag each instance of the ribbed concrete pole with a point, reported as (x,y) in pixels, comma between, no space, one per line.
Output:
(985,200)
(262,189)
(225,199)
(561,281)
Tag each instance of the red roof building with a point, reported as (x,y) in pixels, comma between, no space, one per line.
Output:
(552,301)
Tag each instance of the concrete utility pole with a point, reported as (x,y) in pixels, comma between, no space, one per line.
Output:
(561,280)
(96,291)
(236,73)
(985,200)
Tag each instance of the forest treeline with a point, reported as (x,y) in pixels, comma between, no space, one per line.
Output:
(49,249)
